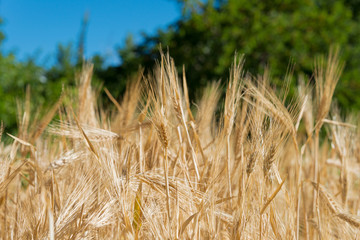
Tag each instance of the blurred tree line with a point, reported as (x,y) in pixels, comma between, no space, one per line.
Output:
(204,40)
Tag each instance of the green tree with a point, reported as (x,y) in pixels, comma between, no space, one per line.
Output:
(14,77)
(45,84)
(269,33)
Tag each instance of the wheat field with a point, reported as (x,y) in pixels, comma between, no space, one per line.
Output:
(247,164)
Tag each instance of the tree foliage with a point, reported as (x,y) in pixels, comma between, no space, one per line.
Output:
(14,77)
(269,33)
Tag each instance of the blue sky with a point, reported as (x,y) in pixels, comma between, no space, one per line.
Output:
(35,27)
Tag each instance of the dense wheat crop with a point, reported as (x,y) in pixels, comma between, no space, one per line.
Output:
(157,166)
